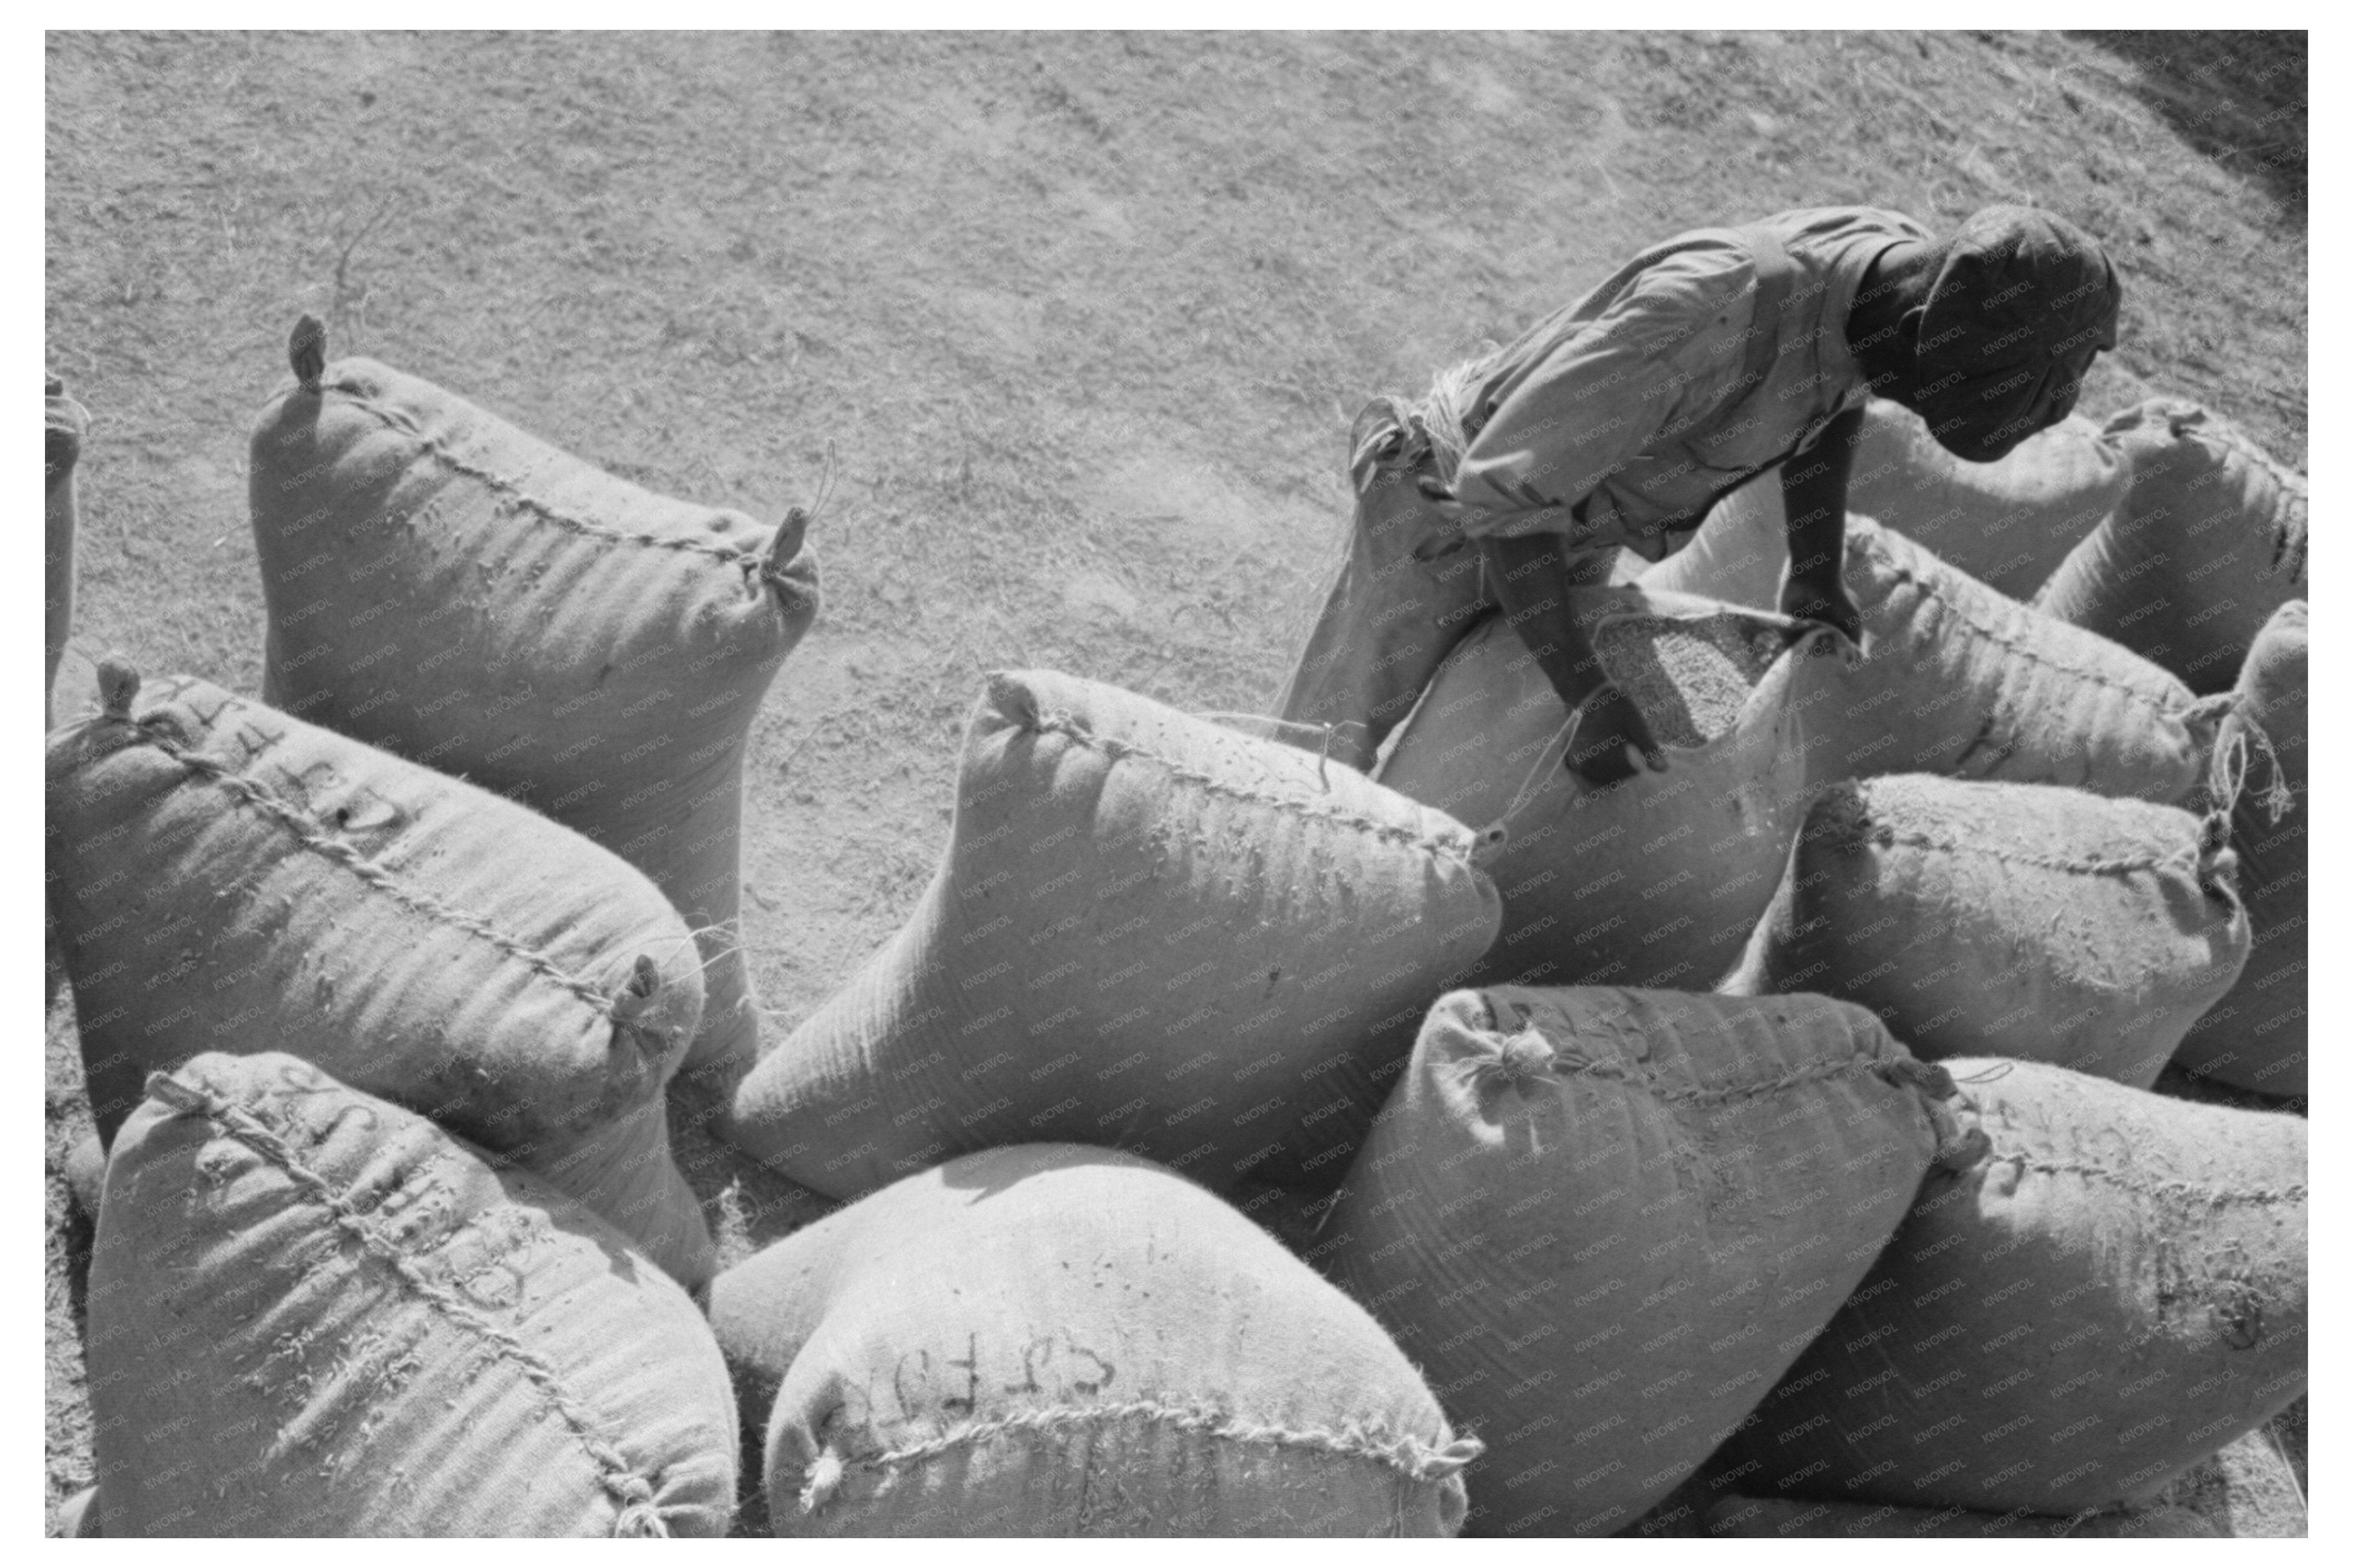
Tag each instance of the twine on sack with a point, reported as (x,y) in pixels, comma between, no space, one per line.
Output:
(2226,777)
(1416,1458)
(1958,1147)
(639,1515)
(306,351)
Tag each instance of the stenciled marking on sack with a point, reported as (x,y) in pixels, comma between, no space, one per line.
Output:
(951,1388)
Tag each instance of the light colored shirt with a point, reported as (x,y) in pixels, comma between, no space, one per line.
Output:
(1621,419)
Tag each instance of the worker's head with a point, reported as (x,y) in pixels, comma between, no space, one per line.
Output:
(2019,303)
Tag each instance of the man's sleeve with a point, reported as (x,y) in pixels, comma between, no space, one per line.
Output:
(1596,399)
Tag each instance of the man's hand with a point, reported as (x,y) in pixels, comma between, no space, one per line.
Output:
(1612,743)
(1827,604)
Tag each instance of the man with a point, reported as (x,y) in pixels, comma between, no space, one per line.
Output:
(1621,419)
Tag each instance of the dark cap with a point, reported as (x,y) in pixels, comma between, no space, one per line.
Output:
(2022,295)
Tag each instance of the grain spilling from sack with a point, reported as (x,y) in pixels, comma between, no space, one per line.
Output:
(2005,524)
(1658,880)
(1394,608)
(1603,1221)
(1960,680)
(1055,1340)
(2257,1037)
(2114,1292)
(1149,933)
(227,878)
(314,1314)
(2208,545)
(2020,920)
(449,588)
(65,425)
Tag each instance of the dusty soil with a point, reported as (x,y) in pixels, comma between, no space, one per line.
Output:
(1079,323)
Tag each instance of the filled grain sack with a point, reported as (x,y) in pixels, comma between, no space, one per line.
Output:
(449,588)
(2208,545)
(1395,607)
(2114,1292)
(1054,1340)
(1148,932)
(2023,921)
(2005,524)
(225,876)
(314,1314)
(1602,1222)
(1960,680)
(1654,882)
(65,426)
(2257,1036)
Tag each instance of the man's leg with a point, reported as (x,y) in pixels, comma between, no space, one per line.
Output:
(1530,577)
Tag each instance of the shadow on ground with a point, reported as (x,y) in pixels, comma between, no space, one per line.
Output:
(2240,98)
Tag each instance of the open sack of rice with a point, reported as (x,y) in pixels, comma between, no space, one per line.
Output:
(1148,932)
(314,1314)
(227,877)
(2023,921)
(2114,1292)
(1654,882)
(449,588)
(1052,1341)
(1602,1222)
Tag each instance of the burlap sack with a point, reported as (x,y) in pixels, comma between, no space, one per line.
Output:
(2117,1291)
(2020,920)
(314,1314)
(1603,1221)
(2208,545)
(2256,1038)
(1658,880)
(449,588)
(1961,682)
(227,878)
(1051,1339)
(1148,932)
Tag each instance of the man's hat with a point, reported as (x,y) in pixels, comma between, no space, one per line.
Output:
(2020,288)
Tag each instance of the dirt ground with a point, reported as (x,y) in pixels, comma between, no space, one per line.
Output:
(1078,322)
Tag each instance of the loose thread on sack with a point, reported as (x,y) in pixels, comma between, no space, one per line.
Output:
(2239,732)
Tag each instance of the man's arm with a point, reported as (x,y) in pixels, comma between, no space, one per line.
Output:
(1813,495)
(1586,406)
(1529,578)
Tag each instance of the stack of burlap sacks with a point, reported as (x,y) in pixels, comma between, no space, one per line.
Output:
(1229,1142)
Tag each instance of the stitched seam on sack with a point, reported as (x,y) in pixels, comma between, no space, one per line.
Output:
(1411,1456)
(2183,862)
(618,1475)
(306,832)
(1065,724)
(1932,590)
(1797,1077)
(2193,1192)
(434,447)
